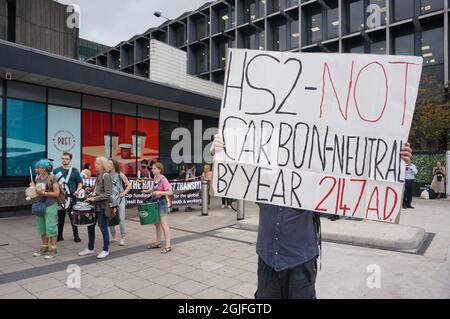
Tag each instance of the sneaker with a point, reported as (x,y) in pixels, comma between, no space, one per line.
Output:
(103,254)
(85,252)
(40,252)
(229,206)
(51,254)
(223,206)
(122,242)
(113,240)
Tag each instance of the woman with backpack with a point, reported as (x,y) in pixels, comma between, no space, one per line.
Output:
(161,189)
(47,189)
(119,193)
(100,198)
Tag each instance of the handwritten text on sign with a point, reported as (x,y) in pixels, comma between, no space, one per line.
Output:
(321,132)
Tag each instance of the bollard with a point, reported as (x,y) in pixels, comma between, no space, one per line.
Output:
(205,198)
(240,210)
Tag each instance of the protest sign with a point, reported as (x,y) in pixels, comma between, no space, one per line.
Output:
(320,132)
(185,193)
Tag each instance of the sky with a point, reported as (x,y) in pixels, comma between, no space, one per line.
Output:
(110,22)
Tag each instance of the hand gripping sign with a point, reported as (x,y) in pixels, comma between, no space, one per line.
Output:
(320,132)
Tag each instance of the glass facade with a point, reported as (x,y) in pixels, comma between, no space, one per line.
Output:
(295,34)
(355,16)
(24,147)
(427,6)
(432,47)
(404,44)
(362,24)
(314,22)
(279,37)
(333,22)
(89,127)
(403,9)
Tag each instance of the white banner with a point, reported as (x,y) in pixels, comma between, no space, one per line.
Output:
(64,134)
(321,132)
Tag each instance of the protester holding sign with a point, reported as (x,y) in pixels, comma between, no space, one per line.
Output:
(161,189)
(288,246)
(303,134)
(72,178)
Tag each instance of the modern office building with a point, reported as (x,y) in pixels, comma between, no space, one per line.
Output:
(404,27)
(50,104)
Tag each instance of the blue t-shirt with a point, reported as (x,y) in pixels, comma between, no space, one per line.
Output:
(75,177)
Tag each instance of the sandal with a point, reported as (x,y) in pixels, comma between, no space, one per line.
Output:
(166,250)
(154,245)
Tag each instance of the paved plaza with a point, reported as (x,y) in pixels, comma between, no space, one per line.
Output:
(213,258)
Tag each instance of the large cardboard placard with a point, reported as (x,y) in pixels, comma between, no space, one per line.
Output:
(321,132)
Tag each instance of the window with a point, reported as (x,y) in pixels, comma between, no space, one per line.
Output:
(261,40)
(314,22)
(279,37)
(200,28)
(233,16)
(356,47)
(404,45)
(24,147)
(295,34)
(274,6)
(148,137)
(427,6)
(261,8)
(201,59)
(249,10)
(250,41)
(222,54)
(179,36)
(432,48)
(333,22)
(129,142)
(403,9)
(166,145)
(378,47)
(98,140)
(224,19)
(291,3)
(64,134)
(355,18)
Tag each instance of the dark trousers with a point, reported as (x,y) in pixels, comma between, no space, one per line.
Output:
(61,221)
(103,225)
(294,283)
(226,201)
(407,197)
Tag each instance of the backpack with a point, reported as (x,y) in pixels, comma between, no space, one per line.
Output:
(114,199)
